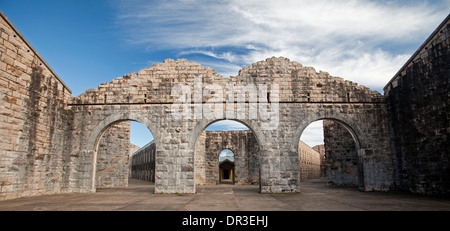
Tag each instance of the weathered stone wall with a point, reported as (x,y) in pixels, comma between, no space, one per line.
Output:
(113,157)
(342,156)
(304,96)
(418,98)
(34,123)
(133,148)
(143,163)
(321,150)
(309,160)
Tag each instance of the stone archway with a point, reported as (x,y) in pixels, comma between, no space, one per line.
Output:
(203,124)
(102,127)
(242,143)
(349,125)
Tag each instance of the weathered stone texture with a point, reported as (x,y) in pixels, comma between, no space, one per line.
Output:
(309,160)
(279,162)
(342,160)
(112,159)
(321,150)
(33,119)
(418,99)
(133,148)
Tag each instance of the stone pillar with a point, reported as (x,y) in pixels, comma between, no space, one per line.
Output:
(174,158)
(279,168)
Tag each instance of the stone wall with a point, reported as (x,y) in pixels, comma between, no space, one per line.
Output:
(133,148)
(309,160)
(113,157)
(34,123)
(418,100)
(304,96)
(342,161)
(321,150)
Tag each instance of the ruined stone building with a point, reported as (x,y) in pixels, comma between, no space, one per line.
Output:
(51,142)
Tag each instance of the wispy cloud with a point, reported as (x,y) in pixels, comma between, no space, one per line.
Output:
(359,40)
(313,134)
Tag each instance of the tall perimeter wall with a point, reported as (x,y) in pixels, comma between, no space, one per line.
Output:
(419,113)
(34,122)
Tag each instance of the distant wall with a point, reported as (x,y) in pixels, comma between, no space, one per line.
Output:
(309,160)
(321,150)
(143,163)
(418,100)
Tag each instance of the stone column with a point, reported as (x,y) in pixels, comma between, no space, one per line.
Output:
(174,158)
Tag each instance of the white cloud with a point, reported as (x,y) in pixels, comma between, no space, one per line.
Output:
(344,38)
(313,134)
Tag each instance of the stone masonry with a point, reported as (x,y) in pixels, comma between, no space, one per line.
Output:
(135,95)
(34,120)
(321,150)
(304,96)
(112,159)
(342,160)
(50,141)
(246,158)
(418,101)
(309,162)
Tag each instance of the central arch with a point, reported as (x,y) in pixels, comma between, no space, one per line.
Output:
(203,124)
(242,176)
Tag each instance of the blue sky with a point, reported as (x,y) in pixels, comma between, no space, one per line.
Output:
(91,42)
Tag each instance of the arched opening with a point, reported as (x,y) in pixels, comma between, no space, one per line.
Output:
(329,151)
(142,157)
(124,151)
(226,167)
(227,151)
